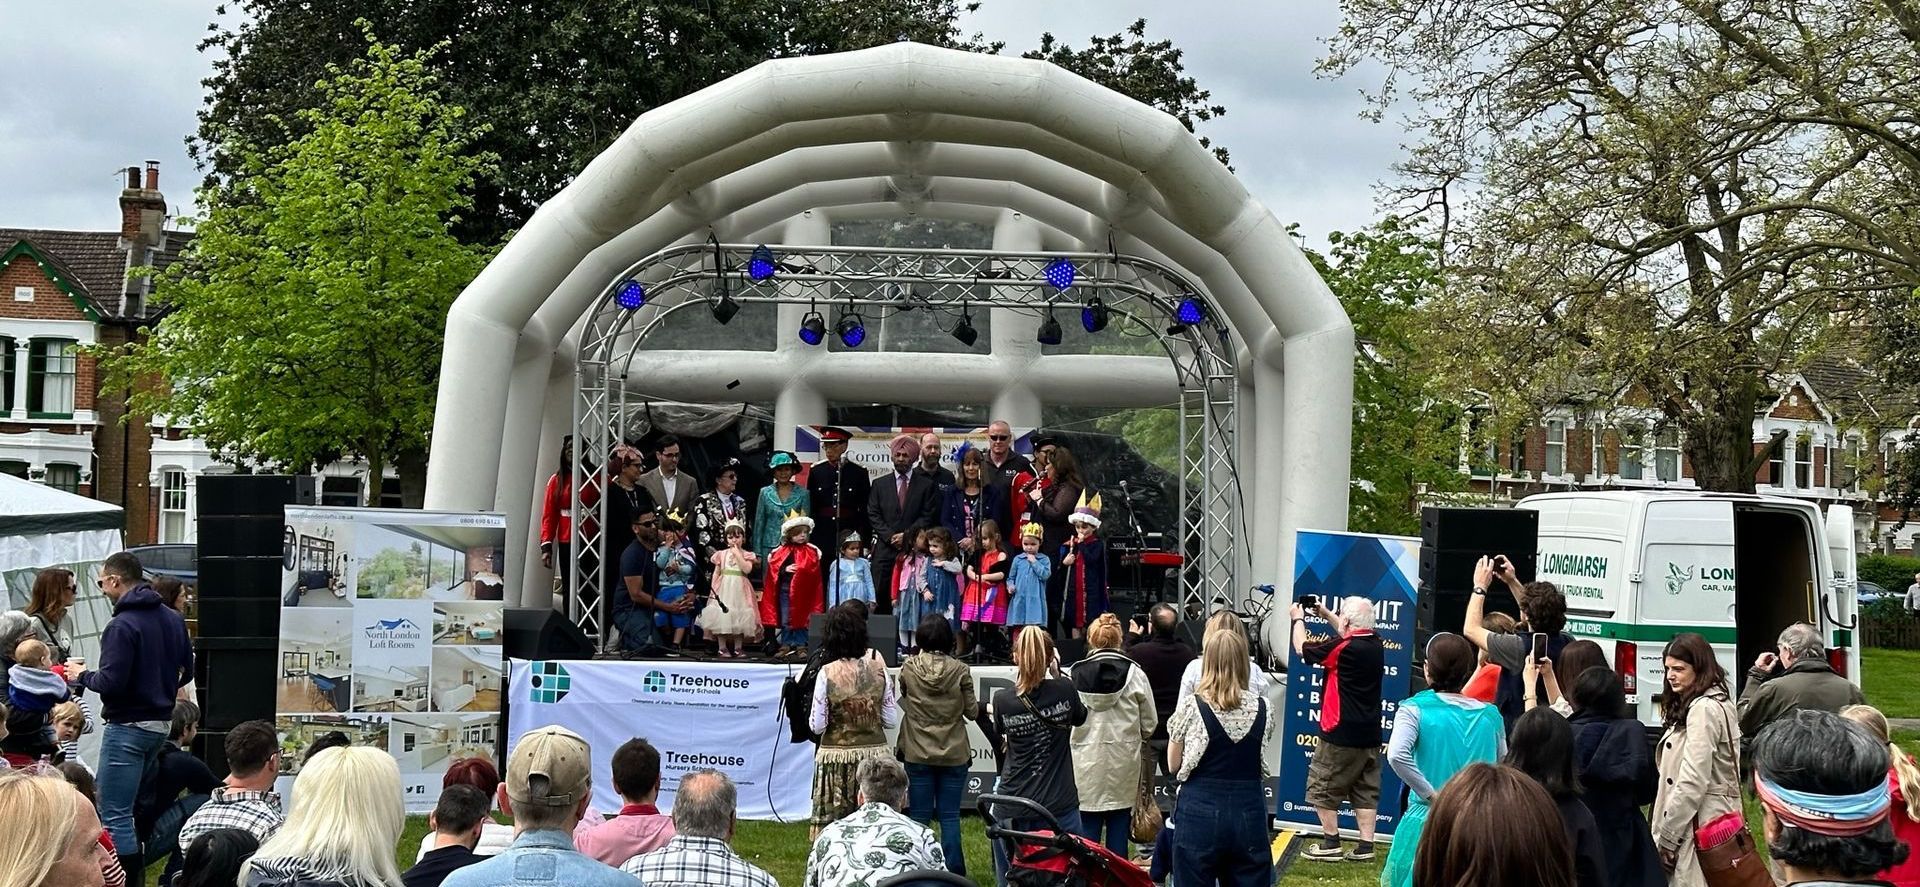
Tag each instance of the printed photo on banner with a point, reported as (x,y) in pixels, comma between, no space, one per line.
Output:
(466,624)
(427,744)
(442,563)
(317,568)
(316,660)
(466,679)
(298,733)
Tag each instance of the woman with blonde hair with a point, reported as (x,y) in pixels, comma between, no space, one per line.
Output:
(53,835)
(341,828)
(1213,747)
(1108,748)
(1037,716)
(1903,782)
(1224,620)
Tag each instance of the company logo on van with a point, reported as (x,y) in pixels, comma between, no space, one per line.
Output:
(1584,566)
(1677,579)
(1711,578)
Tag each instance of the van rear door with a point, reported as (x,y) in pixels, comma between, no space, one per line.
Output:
(1839,601)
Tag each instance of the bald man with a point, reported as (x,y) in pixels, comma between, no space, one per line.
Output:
(930,462)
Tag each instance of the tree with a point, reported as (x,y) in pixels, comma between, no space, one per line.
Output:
(1642,202)
(304,323)
(552,84)
(1150,71)
(1406,435)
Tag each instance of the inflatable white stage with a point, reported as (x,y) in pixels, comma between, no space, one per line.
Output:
(775,154)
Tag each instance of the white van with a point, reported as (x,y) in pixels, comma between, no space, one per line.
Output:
(1639,567)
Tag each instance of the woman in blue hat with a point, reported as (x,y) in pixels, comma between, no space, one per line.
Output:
(776,501)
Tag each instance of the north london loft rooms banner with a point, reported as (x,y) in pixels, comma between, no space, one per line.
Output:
(391,631)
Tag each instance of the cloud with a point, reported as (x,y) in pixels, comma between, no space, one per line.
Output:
(98,85)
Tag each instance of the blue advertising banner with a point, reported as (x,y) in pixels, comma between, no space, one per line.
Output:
(1334,566)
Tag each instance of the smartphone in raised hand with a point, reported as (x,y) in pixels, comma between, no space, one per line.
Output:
(1539,645)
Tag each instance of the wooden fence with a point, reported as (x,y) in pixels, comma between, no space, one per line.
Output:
(1900,632)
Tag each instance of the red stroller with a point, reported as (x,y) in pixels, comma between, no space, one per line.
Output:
(1054,857)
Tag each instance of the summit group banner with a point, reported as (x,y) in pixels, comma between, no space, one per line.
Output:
(391,630)
(1334,566)
(719,716)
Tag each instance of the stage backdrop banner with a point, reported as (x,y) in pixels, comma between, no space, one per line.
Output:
(720,716)
(391,626)
(871,445)
(1384,570)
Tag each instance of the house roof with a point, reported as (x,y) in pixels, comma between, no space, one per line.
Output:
(94,260)
(1844,381)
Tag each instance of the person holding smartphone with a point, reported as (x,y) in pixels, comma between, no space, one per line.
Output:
(1543,611)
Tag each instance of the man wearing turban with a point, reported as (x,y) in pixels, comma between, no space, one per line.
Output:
(902,501)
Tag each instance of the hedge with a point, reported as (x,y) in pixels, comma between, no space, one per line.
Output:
(1891,572)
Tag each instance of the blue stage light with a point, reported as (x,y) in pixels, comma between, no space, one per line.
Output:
(1061,273)
(852,331)
(1094,316)
(760,265)
(813,328)
(631,295)
(1190,311)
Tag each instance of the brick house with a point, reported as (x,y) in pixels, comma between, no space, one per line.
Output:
(1838,424)
(61,291)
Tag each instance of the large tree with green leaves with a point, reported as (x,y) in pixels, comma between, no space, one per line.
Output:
(1667,203)
(304,323)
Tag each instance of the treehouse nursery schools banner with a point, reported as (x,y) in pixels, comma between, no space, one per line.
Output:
(1382,569)
(391,624)
(719,716)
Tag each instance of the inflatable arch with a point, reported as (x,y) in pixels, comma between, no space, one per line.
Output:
(774,154)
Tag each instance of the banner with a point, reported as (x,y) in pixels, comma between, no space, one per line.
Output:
(391,627)
(870,446)
(1384,570)
(720,715)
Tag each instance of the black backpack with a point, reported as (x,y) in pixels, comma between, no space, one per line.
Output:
(796,697)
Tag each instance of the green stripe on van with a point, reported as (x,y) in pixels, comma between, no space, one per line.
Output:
(1625,631)
(1842,637)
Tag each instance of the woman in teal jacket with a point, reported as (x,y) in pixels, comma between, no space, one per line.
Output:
(1437,733)
(776,501)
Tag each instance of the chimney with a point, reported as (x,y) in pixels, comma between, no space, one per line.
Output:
(143,211)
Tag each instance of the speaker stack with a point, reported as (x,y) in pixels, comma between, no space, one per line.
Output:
(1451,541)
(240,554)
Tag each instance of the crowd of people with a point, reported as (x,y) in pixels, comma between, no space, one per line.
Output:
(999,543)
(1516,717)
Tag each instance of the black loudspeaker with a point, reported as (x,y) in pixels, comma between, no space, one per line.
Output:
(1451,541)
(542,633)
(883,634)
(236,677)
(1072,650)
(1486,530)
(243,535)
(1194,632)
(253,494)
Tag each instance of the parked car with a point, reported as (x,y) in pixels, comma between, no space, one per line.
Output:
(176,560)
(1869,592)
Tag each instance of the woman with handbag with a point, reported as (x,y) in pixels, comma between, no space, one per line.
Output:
(1108,748)
(1699,756)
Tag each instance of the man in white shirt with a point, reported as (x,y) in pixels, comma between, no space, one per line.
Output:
(672,489)
(1913,595)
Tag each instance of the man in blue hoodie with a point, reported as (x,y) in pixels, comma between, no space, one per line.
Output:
(145,658)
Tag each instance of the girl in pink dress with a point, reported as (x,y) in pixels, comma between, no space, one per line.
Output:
(983,606)
(734,612)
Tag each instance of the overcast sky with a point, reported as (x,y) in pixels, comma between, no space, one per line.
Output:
(94,86)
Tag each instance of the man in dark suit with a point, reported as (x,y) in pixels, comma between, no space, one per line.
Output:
(838,489)
(902,500)
(672,489)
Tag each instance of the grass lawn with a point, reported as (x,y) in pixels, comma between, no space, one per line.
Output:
(1891,681)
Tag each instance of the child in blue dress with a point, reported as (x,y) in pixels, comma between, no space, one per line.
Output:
(910,586)
(852,577)
(943,576)
(1027,578)
(675,561)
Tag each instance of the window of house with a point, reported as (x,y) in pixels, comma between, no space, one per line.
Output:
(1481,447)
(1852,455)
(1517,454)
(13,468)
(1632,456)
(1777,464)
(64,477)
(8,349)
(340,492)
(1666,454)
(1598,465)
(390,492)
(51,367)
(173,505)
(23,294)
(1556,447)
(1802,455)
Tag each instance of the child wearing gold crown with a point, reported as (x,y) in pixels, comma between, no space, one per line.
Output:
(1028,580)
(792,589)
(675,561)
(733,614)
(1085,558)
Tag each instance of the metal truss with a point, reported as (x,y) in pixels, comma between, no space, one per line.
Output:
(879,280)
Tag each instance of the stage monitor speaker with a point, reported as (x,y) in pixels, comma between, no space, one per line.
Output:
(1486,530)
(253,494)
(248,675)
(883,634)
(1071,649)
(543,633)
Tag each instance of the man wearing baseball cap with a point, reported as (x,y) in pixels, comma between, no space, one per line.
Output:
(548,787)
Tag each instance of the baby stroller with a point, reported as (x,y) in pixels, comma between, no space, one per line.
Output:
(1053,857)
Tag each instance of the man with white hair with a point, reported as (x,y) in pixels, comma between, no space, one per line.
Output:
(874,842)
(701,853)
(1346,761)
(1794,678)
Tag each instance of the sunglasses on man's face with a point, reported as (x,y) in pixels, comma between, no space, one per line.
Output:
(645,523)
(999,437)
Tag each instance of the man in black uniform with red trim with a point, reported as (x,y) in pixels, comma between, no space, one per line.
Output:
(838,489)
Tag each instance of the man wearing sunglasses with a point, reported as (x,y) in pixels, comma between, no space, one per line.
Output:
(145,658)
(1003,464)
